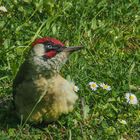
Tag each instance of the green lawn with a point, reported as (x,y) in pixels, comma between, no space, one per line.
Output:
(109,31)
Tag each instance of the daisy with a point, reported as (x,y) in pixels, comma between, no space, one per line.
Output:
(105,86)
(3,9)
(76,88)
(131,98)
(93,85)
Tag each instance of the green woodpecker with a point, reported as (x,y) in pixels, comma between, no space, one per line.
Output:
(40,93)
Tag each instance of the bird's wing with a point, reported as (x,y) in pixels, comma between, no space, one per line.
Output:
(20,76)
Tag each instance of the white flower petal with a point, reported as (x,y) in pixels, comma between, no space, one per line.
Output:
(76,88)
(122,121)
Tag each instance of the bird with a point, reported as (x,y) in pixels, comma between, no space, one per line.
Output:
(40,93)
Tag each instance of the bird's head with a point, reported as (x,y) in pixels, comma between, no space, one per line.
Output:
(49,47)
(51,52)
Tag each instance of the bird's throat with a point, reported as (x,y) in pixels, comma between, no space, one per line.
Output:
(48,66)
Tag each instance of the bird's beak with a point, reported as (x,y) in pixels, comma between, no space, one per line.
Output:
(72,49)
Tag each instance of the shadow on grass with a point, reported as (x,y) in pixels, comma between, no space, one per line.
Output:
(8,117)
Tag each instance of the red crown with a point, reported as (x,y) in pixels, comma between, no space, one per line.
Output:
(45,39)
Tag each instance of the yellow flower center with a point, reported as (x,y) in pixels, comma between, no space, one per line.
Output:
(93,85)
(105,86)
(131,97)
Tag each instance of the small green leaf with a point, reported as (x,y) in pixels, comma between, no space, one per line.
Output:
(86,110)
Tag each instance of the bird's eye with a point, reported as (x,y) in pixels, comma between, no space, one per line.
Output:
(49,46)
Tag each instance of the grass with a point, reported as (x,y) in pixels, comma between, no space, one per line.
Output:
(109,31)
